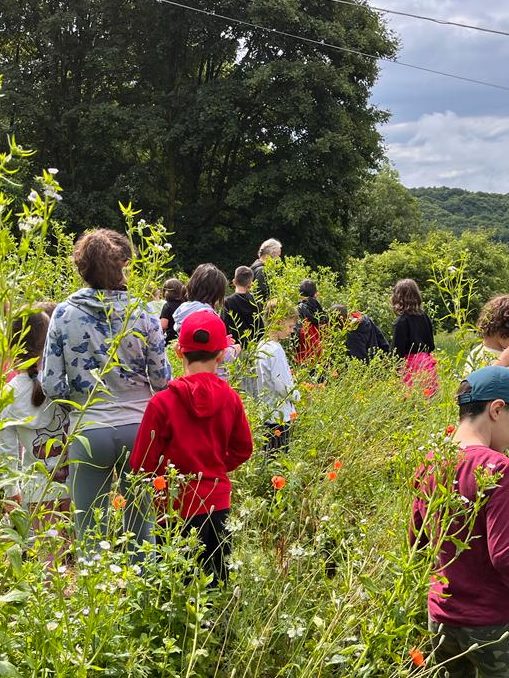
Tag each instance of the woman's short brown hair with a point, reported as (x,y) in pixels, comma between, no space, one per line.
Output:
(174,290)
(494,317)
(207,284)
(406,297)
(100,257)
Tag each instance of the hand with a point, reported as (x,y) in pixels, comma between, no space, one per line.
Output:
(11,503)
(237,348)
(503,358)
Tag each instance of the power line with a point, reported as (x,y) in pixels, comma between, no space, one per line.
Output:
(444,22)
(322,43)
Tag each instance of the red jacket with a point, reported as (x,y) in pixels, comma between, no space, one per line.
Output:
(199,425)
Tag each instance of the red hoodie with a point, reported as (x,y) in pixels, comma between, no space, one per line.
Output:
(199,425)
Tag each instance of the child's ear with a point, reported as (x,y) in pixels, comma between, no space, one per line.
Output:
(220,357)
(178,351)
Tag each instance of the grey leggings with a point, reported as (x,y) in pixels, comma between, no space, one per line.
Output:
(90,478)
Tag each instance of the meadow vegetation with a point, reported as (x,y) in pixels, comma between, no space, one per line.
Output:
(323,581)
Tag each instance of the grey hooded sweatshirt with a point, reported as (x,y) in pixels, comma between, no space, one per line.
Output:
(78,346)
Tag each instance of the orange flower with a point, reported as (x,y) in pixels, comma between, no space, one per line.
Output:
(417,657)
(338,464)
(159,483)
(428,392)
(278,482)
(293,416)
(118,502)
(332,475)
(450,430)
(277,432)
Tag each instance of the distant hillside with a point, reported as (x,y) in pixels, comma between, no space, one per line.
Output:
(458,210)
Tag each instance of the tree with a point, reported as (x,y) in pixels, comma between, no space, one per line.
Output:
(228,133)
(385,211)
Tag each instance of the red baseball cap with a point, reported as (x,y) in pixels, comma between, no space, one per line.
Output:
(203,331)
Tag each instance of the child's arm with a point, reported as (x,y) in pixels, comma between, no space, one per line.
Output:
(9,447)
(240,445)
(400,337)
(277,372)
(54,376)
(158,369)
(151,440)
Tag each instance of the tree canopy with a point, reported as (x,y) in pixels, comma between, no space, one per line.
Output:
(228,133)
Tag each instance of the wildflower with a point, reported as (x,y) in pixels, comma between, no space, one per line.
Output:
(50,193)
(338,464)
(62,569)
(136,569)
(52,170)
(52,626)
(450,430)
(278,482)
(159,483)
(118,502)
(428,392)
(115,569)
(295,632)
(52,533)
(85,611)
(417,657)
(105,545)
(277,432)
(33,195)
(492,467)
(293,416)
(332,475)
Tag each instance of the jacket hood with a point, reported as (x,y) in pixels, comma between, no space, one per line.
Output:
(100,303)
(362,325)
(186,309)
(244,302)
(203,393)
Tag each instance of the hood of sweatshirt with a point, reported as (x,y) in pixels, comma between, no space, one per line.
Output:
(203,393)
(101,303)
(186,309)
(243,302)
(361,324)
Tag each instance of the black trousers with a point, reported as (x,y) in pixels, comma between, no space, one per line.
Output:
(277,438)
(212,532)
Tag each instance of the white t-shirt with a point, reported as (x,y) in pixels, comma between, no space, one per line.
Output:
(23,441)
(275,382)
(480,356)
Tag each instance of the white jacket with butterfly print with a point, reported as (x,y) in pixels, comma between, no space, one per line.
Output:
(79,349)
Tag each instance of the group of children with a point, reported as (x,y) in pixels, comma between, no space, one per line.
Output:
(197,422)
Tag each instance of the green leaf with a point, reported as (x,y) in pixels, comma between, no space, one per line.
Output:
(8,670)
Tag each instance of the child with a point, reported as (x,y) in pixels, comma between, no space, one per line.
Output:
(32,420)
(363,337)
(174,292)
(205,291)
(493,326)
(199,425)
(312,316)
(468,603)
(413,337)
(241,313)
(275,382)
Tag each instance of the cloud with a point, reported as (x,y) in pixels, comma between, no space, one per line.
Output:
(445,131)
(444,149)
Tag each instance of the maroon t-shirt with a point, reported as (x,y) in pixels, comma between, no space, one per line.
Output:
(476,590)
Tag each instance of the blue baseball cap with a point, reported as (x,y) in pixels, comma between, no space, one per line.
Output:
(487,384)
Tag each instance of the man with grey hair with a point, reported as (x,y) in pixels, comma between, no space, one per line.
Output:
(269,249)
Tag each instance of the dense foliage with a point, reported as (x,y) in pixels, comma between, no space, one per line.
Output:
(458,210)
(229,134)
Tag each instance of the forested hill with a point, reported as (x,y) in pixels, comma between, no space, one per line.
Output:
(457,209)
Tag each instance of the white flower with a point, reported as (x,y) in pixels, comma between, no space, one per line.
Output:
(295,631)
(452,269)
(84,573)
(85,611)
(105,545)
(33,195)
(167,246)
(142,223)
(52,533)
(61,569)
(52,170)
(136,569)
(50,193)
(491,466)
(51,626)
(236,592)
(59,615)
(464,499)
(234,525)
(325,519)
(235,565)
(297,551)
(115,569)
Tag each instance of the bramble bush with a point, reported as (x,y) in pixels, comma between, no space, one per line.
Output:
(323,581)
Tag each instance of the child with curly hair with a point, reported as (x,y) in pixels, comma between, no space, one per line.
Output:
(493,326)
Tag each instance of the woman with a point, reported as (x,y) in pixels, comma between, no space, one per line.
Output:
(269,249)
(80,349)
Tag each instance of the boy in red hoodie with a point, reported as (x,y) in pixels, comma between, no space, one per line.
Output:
(199,425)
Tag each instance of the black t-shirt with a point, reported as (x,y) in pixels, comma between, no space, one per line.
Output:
(413,334)
(169,309)
(243,318)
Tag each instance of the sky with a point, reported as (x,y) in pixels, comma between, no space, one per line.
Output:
(445,132)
